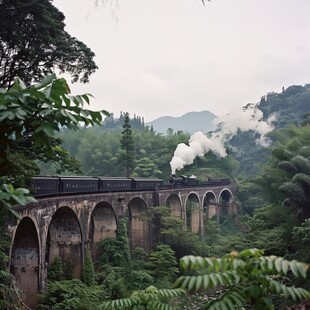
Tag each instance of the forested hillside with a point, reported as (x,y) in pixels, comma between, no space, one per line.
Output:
(99,150)
(273,216)
(256,258)
(289,108)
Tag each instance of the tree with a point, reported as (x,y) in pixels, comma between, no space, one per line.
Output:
(116,252)
(71,294)
(297,189)
(287,177)
(29,118)
(162,265)
(33,43)
(88,275)
(245,278)
(145,167)
(127,144)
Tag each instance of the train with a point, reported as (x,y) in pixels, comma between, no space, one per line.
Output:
(62,185)
(65,185)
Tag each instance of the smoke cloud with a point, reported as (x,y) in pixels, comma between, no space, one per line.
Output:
(245,119)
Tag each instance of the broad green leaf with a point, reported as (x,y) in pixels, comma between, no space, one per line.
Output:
(278,264)
(229,302)
(302,268)
(294,268)
(206,281)
(17,199)
(291,292)
(213,278)
(220,278)
(276,286)
(184,263)
(285,265)
(86,97)
(72,117)
(284,291)
(238,299)
(21,191)
(199,283)
(9,188)
(297,293)
(192,283)
(270,263)
(45,81)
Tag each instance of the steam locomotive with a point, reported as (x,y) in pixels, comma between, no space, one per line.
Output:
(62,185)
(183,180)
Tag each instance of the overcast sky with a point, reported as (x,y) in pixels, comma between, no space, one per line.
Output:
(170,57)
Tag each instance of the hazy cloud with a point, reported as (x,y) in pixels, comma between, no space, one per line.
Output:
(170,57)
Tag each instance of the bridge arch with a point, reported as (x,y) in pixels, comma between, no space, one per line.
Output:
(175,205)
(25,260)
(102,224)
(192,212)
(224,201)
(209,205)
(139,226)
(64,240)
(225,196)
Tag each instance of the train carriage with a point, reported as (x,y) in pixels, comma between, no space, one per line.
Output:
(78,184)
(147,183)
(44,185)
(108,184)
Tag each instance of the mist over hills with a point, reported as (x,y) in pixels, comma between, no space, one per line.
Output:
(189,122)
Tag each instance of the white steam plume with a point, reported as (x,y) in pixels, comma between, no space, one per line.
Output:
(248,118)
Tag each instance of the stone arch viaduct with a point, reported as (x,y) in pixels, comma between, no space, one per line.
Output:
(65,226)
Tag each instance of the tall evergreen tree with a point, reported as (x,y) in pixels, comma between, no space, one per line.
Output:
(127,144)
(88,275)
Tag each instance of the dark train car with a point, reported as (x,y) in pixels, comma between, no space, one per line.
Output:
(108,184)
(73,184)
(147,183)
(44,185)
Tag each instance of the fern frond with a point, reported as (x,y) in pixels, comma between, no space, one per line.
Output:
(171,293)
(123,303)
(278,265)
(287,291)
(229,300)
(157,305)
(203,282)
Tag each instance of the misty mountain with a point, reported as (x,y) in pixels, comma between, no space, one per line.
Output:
(189,122)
